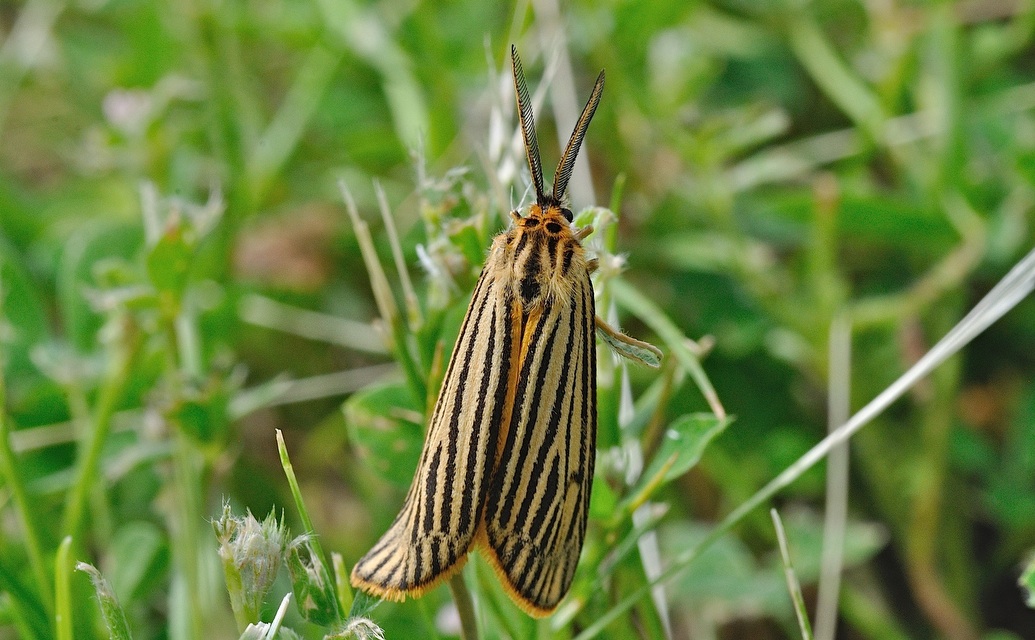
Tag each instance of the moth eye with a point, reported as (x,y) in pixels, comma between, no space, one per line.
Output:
(553,227)
(567,214)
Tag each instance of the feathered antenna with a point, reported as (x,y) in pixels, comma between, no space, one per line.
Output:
(524,107)
(567,162)
(571,152)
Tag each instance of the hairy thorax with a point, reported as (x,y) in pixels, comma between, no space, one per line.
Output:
(541,256)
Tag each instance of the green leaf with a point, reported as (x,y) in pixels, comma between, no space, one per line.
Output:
(382,423)
(470,243)
(684,442)
(111,610)
(602,500)
(681,448)
(726,573)
(363,604)
(312,583)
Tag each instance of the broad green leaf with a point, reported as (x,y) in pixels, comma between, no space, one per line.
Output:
(684,443)
(681,448)
(725,574)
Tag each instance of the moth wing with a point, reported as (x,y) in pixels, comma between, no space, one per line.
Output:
(536,510)
(429,540)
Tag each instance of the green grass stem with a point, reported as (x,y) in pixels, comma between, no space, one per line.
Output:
(63,591)
(88,463)
(13,480)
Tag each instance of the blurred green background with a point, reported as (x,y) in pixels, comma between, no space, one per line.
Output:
(180,278)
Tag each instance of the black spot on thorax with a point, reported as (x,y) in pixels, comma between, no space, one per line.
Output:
(530,278)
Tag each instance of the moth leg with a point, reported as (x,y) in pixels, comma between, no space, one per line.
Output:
(631,348)
(515,216)
(580,234)
(592,265)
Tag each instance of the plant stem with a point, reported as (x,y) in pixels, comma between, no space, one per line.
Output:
(793,586)
(182,349)
(186,542)
(62,591)
(13,480)
(296,491)
(926,529)
(464,606)
(109,396)
(344,591)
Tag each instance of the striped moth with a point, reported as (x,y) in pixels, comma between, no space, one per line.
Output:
(507,464)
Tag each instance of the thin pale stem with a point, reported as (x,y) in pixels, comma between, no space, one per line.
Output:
(793,586)
(836,512)
(464,606)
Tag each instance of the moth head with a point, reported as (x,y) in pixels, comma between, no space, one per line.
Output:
(562,175)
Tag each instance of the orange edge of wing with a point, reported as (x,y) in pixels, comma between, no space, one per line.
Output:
(400,595)
(481,541)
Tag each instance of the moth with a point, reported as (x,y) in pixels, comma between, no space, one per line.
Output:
(507,464)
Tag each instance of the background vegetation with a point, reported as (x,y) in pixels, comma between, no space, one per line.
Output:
(179,278)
